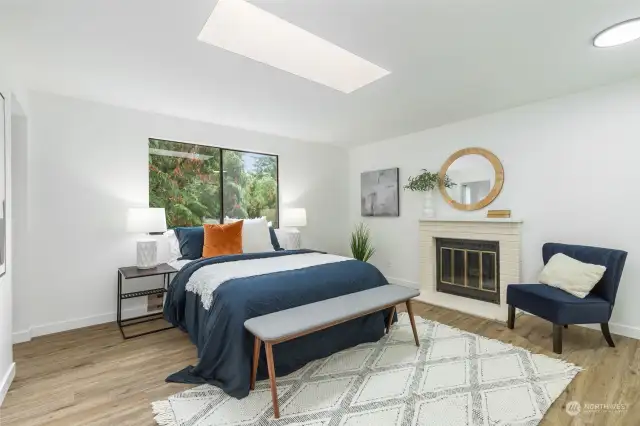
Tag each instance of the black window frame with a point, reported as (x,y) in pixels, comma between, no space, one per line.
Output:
(221,174)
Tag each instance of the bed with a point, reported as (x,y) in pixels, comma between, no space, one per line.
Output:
(211,298)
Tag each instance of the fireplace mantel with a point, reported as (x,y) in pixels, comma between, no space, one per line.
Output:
(507,232)
(479,220)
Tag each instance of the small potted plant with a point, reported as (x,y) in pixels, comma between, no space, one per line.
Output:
(361,247)
(426,182)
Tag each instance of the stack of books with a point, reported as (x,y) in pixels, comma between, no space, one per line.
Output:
(499,214)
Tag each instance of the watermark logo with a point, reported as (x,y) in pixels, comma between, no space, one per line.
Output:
(573,408)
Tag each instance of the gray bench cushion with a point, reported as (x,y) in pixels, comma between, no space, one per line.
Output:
(289,322)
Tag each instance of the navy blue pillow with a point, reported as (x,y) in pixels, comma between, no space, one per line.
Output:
(191,240)
(274,239)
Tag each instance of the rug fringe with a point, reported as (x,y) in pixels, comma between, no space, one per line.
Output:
(164,413)
(571,367)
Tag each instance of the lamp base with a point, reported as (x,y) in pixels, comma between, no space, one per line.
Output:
(147,257)
(295,241)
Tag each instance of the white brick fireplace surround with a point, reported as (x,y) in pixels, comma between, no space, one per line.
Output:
(508,234)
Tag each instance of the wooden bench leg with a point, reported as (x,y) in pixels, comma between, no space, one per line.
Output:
(272,379)
(256,358)
(413,323)
(393,312)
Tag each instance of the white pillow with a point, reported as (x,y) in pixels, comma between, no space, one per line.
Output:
(255,235)
(173,246)
(571,275)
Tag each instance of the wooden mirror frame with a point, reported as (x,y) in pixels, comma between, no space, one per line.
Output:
(497,186)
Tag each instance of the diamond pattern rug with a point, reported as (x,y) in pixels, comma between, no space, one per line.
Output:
(454,378)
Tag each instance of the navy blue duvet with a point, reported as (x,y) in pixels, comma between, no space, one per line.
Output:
(225,347)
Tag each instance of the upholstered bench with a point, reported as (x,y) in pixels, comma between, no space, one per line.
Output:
(286,325)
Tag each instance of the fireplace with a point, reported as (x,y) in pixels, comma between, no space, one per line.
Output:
(468,268)
(504,234)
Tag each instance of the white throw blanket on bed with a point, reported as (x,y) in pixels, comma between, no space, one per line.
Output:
(206,279)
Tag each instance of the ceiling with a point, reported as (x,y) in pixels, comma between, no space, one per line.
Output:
(449,60)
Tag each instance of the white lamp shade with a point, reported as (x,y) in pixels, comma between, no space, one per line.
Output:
(141,220)
(294,217)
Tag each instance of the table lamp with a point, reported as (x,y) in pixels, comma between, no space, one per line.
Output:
(293,219)
(144,221)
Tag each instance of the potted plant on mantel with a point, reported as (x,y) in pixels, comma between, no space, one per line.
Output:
(426,182)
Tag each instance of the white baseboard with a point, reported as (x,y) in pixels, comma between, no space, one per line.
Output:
(622,330)
(615,328)
(6,381)
(619,329)
(406,283)
(21,336)
(57,327)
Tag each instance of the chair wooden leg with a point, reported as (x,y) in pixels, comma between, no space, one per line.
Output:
(511,319)
(413,322)
(607,335)
(256,357)
(557,338)
(272,379)
(390,321)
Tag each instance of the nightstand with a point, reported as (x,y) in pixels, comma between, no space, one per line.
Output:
(132,272)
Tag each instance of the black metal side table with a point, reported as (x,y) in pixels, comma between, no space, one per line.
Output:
(131,272)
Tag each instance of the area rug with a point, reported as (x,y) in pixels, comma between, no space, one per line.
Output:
(454,378)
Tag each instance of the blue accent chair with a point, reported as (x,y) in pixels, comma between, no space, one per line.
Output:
(562,308)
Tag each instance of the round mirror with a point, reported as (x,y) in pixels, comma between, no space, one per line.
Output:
(475,179)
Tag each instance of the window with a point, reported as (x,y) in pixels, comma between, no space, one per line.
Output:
(185,179)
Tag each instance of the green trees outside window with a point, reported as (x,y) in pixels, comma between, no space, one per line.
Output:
(185,179)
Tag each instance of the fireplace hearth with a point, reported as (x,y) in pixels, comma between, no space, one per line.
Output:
(468,268)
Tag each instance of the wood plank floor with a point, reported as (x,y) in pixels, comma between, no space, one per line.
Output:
(92,377)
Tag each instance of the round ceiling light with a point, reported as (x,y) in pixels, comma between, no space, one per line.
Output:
(618,34)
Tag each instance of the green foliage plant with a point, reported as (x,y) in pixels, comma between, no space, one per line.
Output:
(428,181)
(361,247)
(184,179)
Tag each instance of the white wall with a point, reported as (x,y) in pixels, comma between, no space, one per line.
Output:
(571,171)
(87,163)
(14,134)
(6,353)
(20,259)
(7,367)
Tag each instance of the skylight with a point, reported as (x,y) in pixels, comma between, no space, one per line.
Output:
(242,28)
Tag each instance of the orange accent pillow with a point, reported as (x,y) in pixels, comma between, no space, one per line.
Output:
(222,239)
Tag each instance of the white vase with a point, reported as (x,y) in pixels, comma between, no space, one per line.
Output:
(428,210)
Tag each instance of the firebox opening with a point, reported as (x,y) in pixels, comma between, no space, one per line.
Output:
(468,268)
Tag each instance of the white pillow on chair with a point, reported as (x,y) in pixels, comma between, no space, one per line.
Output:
(571,275)
(255,235)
